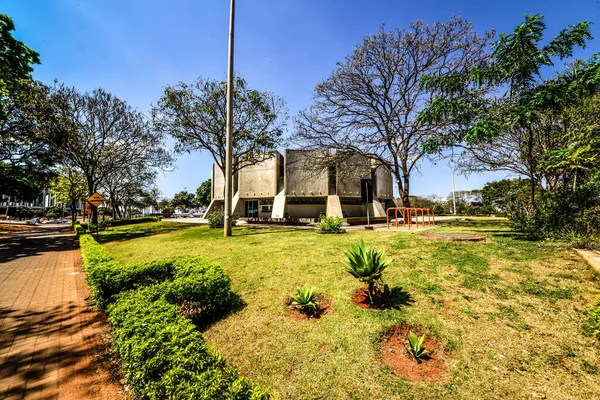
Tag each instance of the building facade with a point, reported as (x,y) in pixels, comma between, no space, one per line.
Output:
(290,186)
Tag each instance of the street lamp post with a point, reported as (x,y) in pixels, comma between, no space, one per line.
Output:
(228,141)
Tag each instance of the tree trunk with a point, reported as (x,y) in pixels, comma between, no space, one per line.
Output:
(406,191)
(73,212)
(530,166)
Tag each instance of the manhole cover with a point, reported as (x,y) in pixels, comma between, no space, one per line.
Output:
(454,237)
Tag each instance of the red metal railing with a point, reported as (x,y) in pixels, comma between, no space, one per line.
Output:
(407,216)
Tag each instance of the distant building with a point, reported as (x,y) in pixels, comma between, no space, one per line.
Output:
(290,186)
(45,199)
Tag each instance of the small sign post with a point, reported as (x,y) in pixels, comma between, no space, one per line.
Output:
(95,200)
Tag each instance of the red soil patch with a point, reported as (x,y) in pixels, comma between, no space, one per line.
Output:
(395,355)
(302,315)
(381,298)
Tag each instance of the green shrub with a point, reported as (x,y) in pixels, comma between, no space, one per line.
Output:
(51,215)
(565,214)
(202,287)
(192,280)
(164,356)
(330,224)
(216,219)
(305,298)
(79,230)
(415,346)
(366,265)
(23,212)
(593,325)
(162,353)
(438,209)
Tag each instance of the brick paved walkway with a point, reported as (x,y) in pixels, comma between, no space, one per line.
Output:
(51,341)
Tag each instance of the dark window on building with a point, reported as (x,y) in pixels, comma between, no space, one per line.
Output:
(306,200)
(332,180)
(366,191)
(350,201)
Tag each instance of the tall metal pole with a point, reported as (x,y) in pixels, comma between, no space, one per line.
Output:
(228,142)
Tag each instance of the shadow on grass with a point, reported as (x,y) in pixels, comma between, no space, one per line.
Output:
(246,231)
(399,298)
(236,304)
(515,236)
(119,234)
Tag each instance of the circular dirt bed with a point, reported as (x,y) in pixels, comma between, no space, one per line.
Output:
(454,237)
(381,299)
(299,314)
(395,355)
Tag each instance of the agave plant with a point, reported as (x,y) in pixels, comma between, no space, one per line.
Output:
(366,265)
(415,346)
(305,298)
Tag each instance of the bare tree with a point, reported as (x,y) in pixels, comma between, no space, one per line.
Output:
(106,137)
(370,104)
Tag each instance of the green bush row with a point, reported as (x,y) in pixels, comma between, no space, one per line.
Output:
(162,354)
(184,279)
(165,357)
(124,221)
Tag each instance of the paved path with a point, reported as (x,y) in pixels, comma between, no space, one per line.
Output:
(51,341)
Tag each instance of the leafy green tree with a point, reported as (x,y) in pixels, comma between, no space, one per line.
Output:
(507,195)
(107,138)
(28,129)
(195,116)
(578,158)
(69,187)
(164,205)
(203,193)
(501,106)
(183,200)
(16,59)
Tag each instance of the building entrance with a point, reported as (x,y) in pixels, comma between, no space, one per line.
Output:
(251,208)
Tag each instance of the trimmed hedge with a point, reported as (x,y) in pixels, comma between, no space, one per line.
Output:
(125,221)
(164,356)
(162,353)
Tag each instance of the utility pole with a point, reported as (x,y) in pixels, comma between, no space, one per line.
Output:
(228,142)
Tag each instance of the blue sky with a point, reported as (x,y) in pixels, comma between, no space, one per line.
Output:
(133,48)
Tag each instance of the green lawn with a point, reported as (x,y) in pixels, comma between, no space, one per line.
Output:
(512,312)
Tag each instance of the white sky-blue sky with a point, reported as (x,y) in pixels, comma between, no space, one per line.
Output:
(133,48)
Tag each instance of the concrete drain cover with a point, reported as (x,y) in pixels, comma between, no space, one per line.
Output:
(454,237)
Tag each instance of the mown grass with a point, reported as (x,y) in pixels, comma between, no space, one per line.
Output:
(511,311)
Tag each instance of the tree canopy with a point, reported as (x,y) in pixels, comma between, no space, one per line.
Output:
(505,113)
(107,139)
(371,102)
(204,193)
(195,116)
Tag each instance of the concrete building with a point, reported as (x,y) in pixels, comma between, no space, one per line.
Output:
(290,186)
